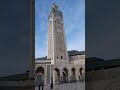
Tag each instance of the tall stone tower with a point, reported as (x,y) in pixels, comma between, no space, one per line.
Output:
(57,49)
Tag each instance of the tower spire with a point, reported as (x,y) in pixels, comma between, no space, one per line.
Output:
(55,6)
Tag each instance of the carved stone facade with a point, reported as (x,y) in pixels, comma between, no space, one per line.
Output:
(59,67)
(62,73)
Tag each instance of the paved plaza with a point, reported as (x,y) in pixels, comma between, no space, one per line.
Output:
(67,86)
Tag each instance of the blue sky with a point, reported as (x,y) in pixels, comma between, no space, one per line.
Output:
(74,22)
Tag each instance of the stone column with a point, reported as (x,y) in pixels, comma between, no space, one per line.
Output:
(61,75)
(45,75)
(84,75)
(54,77)
(51,76)
(70,74)
(77,74)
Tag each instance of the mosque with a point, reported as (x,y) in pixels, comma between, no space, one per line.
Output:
(60,65)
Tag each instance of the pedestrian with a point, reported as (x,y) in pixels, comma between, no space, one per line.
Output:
(51,85)
(42,85)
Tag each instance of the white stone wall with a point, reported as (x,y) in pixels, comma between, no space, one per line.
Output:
(76,62)
(78,59)
(60,67)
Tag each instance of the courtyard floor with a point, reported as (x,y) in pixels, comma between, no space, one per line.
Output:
(67,86)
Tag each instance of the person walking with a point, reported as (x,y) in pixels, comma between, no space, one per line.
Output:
(51,85)
(42,85)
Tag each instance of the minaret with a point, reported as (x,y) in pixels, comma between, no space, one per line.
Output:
(57,49)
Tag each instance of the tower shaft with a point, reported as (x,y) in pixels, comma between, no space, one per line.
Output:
(57,48)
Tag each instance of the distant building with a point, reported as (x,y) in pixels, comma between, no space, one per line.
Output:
(60,66)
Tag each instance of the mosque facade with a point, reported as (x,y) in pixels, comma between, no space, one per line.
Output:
(60,65)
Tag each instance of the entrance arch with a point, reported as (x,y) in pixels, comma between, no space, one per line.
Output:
(65,75)
(81,74)
(73,74)
(39,79)
(81,71)
(56,76)
(40,70)
(39,75)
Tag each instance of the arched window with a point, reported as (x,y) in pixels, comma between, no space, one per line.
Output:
(40,70)
(58,21)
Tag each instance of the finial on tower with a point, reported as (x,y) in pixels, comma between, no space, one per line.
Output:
(55,6)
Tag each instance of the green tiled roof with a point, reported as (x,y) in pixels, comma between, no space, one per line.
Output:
(70,53)
(41,58)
